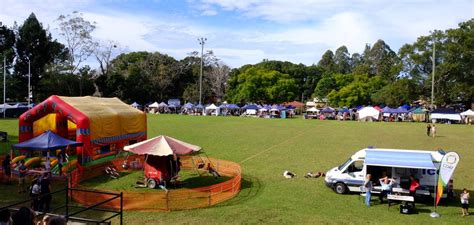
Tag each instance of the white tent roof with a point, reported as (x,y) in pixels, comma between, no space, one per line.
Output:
(310,104)
(162,105)
(263,110)
(6,106)
(468,113)
(211,107)
(445,116)
(368,111)
(154,105)
(312,109)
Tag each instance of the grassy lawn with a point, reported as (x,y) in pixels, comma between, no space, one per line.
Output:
(267,147)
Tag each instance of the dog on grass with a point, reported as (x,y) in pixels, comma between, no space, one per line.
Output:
(288,175)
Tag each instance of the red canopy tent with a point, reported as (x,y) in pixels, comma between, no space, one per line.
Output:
(160,161)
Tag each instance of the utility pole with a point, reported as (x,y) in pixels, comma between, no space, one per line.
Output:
(4,84)
(202,41)
(433,71)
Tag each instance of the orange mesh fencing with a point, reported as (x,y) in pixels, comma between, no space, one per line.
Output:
(174,199)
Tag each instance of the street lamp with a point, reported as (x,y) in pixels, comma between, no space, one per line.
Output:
(433,71)
(202,41)
(29,82)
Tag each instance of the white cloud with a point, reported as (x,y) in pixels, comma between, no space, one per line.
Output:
(247,31)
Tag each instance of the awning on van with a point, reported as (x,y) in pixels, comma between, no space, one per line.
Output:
(419,160)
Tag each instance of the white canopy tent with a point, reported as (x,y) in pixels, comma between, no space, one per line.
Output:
(467,113)
(312,109)
(154,105)
(212,110)
(441,116)
(162,105)
(368,113)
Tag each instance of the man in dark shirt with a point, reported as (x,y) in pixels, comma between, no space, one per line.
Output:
(46,197)
(7,172)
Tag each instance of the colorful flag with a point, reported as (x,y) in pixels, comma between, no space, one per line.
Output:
(446,170)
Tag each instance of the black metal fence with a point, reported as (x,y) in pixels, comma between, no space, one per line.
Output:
(71,211)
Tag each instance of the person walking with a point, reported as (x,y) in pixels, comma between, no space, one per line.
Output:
(433,130)
(7,170)
(465,202)
(368,189)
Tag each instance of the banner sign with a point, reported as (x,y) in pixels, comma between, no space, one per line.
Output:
(446,170)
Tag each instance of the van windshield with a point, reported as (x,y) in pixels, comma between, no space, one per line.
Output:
(344,164)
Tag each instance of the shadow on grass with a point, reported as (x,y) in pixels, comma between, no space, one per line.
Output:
(202,181)
(250,187)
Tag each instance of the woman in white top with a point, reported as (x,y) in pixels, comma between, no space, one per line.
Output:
(465,202)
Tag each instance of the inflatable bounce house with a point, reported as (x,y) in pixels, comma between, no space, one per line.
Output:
(103,125)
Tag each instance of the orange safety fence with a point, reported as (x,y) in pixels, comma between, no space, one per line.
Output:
(159,200)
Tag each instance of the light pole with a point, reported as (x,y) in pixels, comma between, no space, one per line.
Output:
(433,71)
(2,41)
(202,41)
(29,82)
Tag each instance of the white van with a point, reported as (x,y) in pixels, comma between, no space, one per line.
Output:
(396,163)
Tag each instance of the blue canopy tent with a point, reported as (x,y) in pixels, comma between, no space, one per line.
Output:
(233,106)
(387,109)
(327,110)
(135,105)
(344,110)
(46,141)
(401,109)
(199,106)
(407,159)
(188,105)
(254,107)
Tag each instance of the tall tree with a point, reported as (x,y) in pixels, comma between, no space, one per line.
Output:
(383,61)
(327,62)
(76,31)
(256,84)
(342,60)
(7,52)
(36,46)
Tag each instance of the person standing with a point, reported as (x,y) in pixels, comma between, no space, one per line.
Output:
(47,164)
(368,189)
(45,199)
(35,192)
(428,130)
(433,130)
(414,184)
(7,170)
(23,171)
(465,202)
(60,164)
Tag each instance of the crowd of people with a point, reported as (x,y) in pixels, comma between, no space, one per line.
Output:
(387,184)
(27,216)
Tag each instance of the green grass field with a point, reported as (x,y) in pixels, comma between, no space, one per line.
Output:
(267,147)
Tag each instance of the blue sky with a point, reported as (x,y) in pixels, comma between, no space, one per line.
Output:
(247,31)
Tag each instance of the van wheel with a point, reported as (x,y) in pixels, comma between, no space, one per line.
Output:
(340,188)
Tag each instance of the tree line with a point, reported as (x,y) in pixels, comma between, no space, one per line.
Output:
(378,75)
